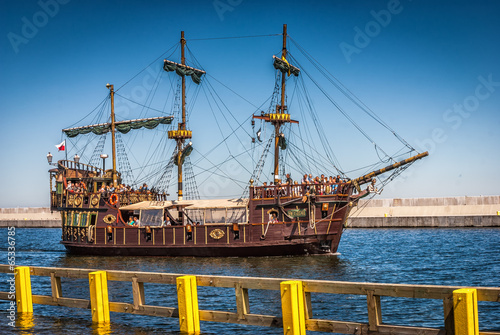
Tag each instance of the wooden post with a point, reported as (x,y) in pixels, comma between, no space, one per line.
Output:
(292,306)
(465,311)
(449,322)
(242,302)
(308,305)
(138,293)
(55,283)
(99,302)
(374,311)
(23,289)
(187,297)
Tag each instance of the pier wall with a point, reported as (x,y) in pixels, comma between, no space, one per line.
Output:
(480,211)
(34,217)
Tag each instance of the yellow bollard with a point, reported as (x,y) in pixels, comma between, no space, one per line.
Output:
(23,289)
(187,297)
(465,312)
(292,306)
(99,302)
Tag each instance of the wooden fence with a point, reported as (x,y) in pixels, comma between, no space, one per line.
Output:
(459,304)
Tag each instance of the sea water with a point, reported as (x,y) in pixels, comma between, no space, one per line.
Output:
(454,256)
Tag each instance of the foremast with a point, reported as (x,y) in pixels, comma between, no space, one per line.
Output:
(113,126)
(113,143)
(280,116)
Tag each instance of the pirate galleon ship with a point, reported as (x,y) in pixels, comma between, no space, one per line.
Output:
(102,216)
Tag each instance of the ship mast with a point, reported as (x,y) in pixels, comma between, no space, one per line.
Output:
(280,116)
(181,126)
(181,134)
(281,110)
(113,143)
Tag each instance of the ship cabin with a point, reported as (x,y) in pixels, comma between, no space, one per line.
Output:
(77,185)
(186,212)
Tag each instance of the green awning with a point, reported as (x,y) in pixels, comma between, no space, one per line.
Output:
(121,126)
(183,70)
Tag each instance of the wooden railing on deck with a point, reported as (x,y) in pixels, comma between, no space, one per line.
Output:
(298,190)
(372,291)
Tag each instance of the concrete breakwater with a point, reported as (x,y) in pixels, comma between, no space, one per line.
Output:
(480,211)
(34,217)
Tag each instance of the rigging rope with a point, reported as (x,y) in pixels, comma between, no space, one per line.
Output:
(348,94)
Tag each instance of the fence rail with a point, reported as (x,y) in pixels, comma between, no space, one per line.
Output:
(372,291)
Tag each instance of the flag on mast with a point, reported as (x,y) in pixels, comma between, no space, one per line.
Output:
(62,146)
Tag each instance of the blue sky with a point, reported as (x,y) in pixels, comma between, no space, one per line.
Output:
(429,69)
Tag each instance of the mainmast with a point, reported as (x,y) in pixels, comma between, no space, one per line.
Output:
(181,134)
(280,116)
(181,126)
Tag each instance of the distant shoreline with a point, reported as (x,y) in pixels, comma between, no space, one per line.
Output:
(448,212)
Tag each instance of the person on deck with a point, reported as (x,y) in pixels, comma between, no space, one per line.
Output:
(371,188)
(166,222)
(295,189)
(264,190)
(144,188)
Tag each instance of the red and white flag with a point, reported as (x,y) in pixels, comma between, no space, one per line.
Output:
(62,146)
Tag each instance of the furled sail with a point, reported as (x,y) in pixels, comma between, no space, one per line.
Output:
(121,126)
(284,66)
(183,70)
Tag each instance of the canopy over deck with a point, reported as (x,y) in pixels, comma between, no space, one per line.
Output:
(190,204)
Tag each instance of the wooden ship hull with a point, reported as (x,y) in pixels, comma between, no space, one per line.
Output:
(307,219)
(92,224)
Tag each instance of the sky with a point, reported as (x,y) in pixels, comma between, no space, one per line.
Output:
(429,69)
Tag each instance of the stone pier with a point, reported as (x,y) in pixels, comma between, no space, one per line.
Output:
(480,211)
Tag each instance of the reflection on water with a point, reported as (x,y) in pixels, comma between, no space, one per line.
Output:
(25,322)
(463,257)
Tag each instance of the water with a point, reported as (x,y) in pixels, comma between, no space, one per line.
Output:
(461,257)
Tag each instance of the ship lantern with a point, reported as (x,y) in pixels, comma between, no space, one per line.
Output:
(148,233)
(104,156)
(236,231)
(109,233)
(49,158)
(189,232)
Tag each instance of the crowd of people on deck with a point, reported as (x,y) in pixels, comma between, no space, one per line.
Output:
(107,189)
(319,185)
(77,187)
